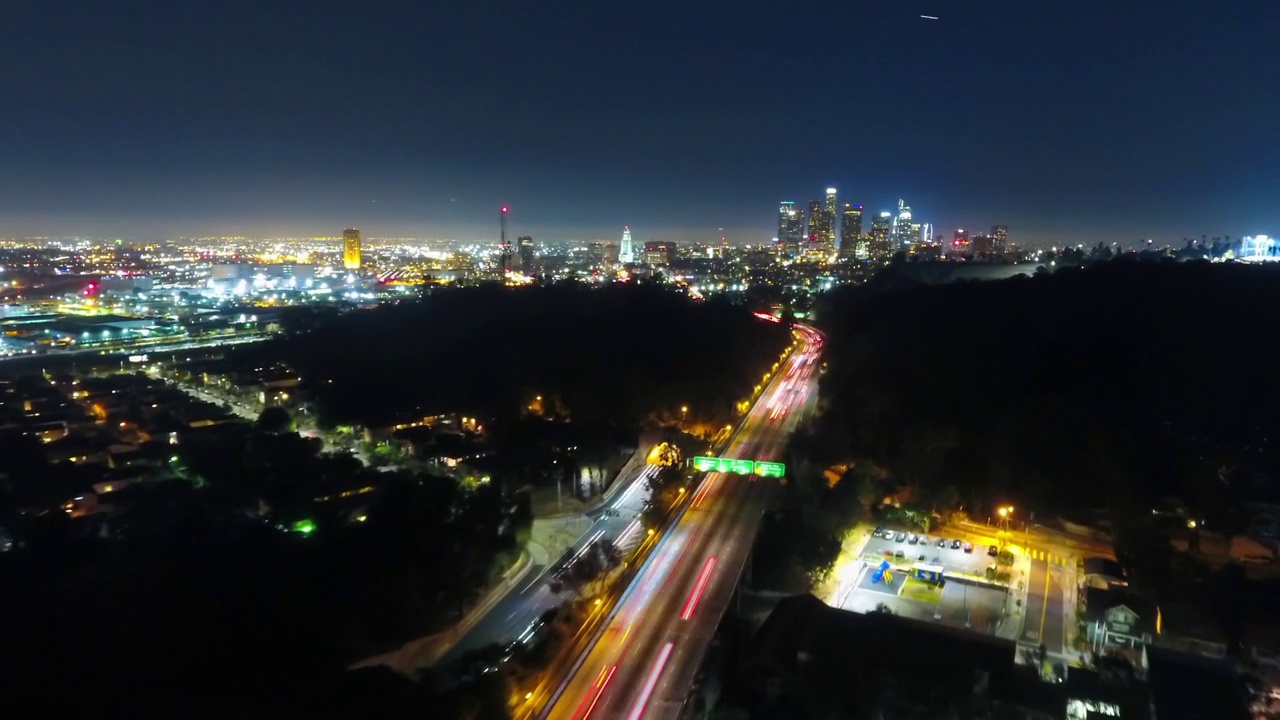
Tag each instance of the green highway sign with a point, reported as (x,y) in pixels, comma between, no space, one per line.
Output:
(770,469)
(739,467)
(706,464)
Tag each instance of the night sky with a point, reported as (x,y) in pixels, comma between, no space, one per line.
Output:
(1079,121)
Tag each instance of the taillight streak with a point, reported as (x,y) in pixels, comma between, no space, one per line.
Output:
(692,603)
(642,700)
(600,688)
(702,491)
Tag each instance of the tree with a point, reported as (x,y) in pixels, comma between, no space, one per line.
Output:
(276,421)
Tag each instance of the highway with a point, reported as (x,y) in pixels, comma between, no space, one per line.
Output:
(615,521)
(644,660)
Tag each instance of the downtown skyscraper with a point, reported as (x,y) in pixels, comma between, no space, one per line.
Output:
(626,253)
(351,257)
(790,227)
(822,224)
(905,232)
(1000,238)
(881,245)
(850,228)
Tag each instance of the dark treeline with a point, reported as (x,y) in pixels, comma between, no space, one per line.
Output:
(618,355)
(1109,387)
(191,606)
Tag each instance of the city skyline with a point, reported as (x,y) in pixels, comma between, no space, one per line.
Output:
(281,137)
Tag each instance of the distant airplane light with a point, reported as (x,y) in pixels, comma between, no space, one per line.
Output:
(929,17)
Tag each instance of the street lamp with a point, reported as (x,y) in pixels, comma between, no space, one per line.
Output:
(1005,513)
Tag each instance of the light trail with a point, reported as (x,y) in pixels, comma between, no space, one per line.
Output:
(587,546)
(635,485)
(599,691)
(706,488)
(626,534)
(692,603)
(650,617)
(642,701)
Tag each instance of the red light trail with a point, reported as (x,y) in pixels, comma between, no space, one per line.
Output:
(692,603)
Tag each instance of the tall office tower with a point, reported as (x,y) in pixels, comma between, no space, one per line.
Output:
(626,254)
(822,231)
(524,250)
(832,211)
(595,252)
(815,223)
(790,227)
(903,236)
(351,249)
(960,245)
(881,244)
(983,245)
(926,234)
(659,252)
(999,238)
(850,228)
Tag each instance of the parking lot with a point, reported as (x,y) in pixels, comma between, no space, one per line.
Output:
(953,559)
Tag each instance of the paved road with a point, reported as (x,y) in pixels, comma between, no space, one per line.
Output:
(1045,619)
(645,659)
(615,521)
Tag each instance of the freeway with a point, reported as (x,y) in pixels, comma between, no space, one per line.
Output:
(616,521)
(645,658)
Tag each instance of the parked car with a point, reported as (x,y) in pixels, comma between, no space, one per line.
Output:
(900,537)
(942,542)
(956,544)
(968,547)
(913,539)
(921,558)
(878,532)
(899,555)
(992,550)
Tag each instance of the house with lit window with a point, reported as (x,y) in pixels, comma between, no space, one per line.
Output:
(1116,619)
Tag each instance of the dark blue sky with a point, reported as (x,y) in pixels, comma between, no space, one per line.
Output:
(1091,120)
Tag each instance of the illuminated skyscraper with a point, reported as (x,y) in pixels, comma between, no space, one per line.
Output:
(822,224)
(903,234)
(524,249)
(850,228)
(790,227)
(881,244)
(961,247)
(659,253)
(351,249)
(1000,238)
(829,242)
(626,254)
